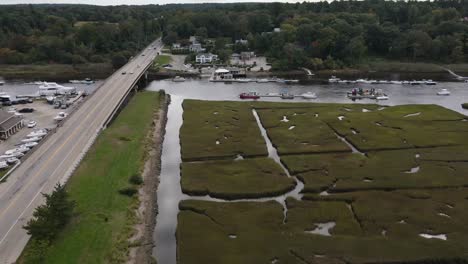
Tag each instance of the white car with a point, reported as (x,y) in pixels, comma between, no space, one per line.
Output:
(32,124)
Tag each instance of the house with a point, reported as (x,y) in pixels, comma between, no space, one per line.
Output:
(9,124)
(235,56)
(242,41)
(197,48)
(206,58)
(176,46)
(247,55)
(193,39)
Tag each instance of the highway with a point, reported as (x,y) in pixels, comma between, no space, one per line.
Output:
(58,156)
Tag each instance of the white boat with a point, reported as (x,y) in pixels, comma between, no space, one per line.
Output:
(75,81)
(362,81)
(178,79)
(262,80)
(291,81)
(287,96)
(243,80)
(32,139)
(382,97)
(60,116)
(29,145)
(309,95)
(16,155)
(52,88)
(20,149)
(430,82)
(88,81)
(36,134)
(396,82)
(2,82)
(12,160)
(443,92)
(416,82)
(3,164)
(333,79)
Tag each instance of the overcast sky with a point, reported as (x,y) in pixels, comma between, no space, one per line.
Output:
(132,2)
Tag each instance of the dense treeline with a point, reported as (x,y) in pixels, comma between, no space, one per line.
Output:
(334,34)
(316,35)
(73,33)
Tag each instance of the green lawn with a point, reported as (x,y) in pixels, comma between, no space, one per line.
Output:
(99,231)
(161,60)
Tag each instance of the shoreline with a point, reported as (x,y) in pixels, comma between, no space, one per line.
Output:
(142,240)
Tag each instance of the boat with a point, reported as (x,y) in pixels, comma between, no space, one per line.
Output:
(262,80)
(414,82)
(2,82)
(290,81)
(38,133)
(361,94)
(382,97)
(362,81)
(29,144)
(60,116)
(88,81)
(32,139)
(243,80)
(333,79)
(178,79)
(430,82)
(249,95)
(309,95)
(12,160)
(443,92)
(19,149)
(3,164)
(396,82)
(75,81)
(53,88)
(287,96)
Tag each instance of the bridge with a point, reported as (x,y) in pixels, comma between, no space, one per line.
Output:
(58,156)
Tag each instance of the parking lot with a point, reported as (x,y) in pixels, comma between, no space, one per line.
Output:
(43,114)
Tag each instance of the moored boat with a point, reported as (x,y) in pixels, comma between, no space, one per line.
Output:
(309,95)
(178,79)
(249,95)
(334,79)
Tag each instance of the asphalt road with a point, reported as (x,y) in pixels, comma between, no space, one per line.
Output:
(56,158)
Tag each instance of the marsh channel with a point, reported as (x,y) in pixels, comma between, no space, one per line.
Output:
(169,192)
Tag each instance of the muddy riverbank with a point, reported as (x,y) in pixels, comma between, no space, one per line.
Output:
(148,209)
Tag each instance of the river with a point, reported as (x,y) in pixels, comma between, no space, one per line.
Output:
(169,192)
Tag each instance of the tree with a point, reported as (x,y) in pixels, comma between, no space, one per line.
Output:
(118,60)
(52,216)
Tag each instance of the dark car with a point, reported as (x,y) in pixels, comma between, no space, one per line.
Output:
(26,110)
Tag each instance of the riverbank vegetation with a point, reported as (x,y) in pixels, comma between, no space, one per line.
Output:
(328,35)
(465,105)
(399,197)
(322,35)
(103,219)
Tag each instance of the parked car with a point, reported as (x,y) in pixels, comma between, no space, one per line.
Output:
(26,110)
(32,124)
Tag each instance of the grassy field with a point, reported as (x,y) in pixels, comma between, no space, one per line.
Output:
(216,130)
(410,181)
(161,60)
(250,178)
(99,231)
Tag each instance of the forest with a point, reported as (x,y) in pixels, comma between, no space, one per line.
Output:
(319,35)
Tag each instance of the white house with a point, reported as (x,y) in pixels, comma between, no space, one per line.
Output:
(206,58)
(242,41)
(176,45)
(197,48)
